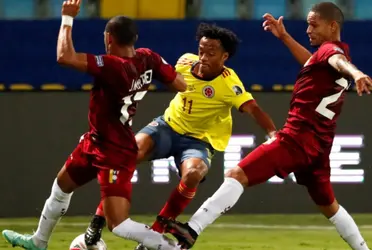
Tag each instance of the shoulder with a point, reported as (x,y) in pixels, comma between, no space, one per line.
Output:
(329,49)
(230,78)
(144,51)
(187,59)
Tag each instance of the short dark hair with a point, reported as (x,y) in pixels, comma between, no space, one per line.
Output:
(329,11)
(229,40)
(123,29)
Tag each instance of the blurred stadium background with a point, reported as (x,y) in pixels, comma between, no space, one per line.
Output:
(43,110)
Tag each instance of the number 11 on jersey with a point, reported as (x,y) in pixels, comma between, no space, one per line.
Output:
(187,105)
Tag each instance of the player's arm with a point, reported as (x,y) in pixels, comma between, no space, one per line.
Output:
(66,54)
(345,67)
(262,118)
(276,27)
(165,73)
(244,102)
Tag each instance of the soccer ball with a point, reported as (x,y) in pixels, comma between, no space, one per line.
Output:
(79,244)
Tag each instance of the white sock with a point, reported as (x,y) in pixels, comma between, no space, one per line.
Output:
(55,207)
(221,201)
(142,233)
(348,230)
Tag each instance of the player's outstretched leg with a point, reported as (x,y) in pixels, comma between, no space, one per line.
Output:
(322,194)
(257,167)
(118,221)
(55,207)
(94,232)
(221,201)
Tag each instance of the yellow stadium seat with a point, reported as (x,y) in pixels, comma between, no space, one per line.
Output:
(21,87)
(256,87)
(87,87)
(289,87)
(110,8)
(277,87)
(2,87)
(161,9)
(52,86)
(152,87)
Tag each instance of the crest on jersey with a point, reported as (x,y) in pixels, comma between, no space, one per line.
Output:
(153,124)
(237,90)
(208,91)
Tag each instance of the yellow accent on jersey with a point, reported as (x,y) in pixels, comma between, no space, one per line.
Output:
(203,111)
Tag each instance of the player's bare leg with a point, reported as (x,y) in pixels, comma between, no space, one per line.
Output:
(338,216)
(94,231)
(55,207)
(193,171)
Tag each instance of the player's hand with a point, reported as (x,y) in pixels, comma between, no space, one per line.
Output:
(363,83)
(275,26)
(71,8)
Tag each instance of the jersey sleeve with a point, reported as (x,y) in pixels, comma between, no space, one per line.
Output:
(329,49)
(101,65)
(163,71)
(237,93)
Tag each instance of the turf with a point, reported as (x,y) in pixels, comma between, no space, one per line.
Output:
(230,232)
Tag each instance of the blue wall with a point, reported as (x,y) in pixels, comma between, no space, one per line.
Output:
(28,49)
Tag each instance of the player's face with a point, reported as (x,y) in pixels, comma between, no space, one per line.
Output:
(212,56)
(319,30)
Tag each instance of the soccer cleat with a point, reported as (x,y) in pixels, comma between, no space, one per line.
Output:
(141,247)
(20,240)
(185,235)
(94,231)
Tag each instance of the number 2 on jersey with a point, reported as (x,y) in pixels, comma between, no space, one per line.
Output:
(322,107)
(187,105)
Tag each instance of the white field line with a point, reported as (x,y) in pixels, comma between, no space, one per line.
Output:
(217,225)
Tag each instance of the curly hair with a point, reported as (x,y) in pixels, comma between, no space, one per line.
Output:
(229,40)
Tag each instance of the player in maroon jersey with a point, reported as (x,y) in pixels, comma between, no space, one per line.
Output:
(108,151)
(304,144)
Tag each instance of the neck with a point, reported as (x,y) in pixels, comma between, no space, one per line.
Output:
(124,52)
(211,75)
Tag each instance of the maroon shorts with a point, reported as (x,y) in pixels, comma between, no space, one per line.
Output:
(113,168)
(284,155)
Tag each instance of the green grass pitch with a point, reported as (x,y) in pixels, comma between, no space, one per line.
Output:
(230,232)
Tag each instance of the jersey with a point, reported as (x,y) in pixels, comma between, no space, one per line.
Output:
(318,96)
(203,111)
(119,84)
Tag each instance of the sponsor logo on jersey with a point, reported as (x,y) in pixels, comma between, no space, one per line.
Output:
(190,88)
(208,91)
(99,61)
(237,90)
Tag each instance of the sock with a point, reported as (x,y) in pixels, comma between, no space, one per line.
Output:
(348,230)
(141,233)
(55,207)
(99,210)
(221,201)
(176,204)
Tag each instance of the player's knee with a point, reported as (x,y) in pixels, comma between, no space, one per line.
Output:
(145,144)
(238,174)
(193,174)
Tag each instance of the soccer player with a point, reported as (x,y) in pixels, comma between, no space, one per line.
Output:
(109,150)
(304,143)
(197,121)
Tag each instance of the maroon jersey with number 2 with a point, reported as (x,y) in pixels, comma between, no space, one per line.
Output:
(304,144)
